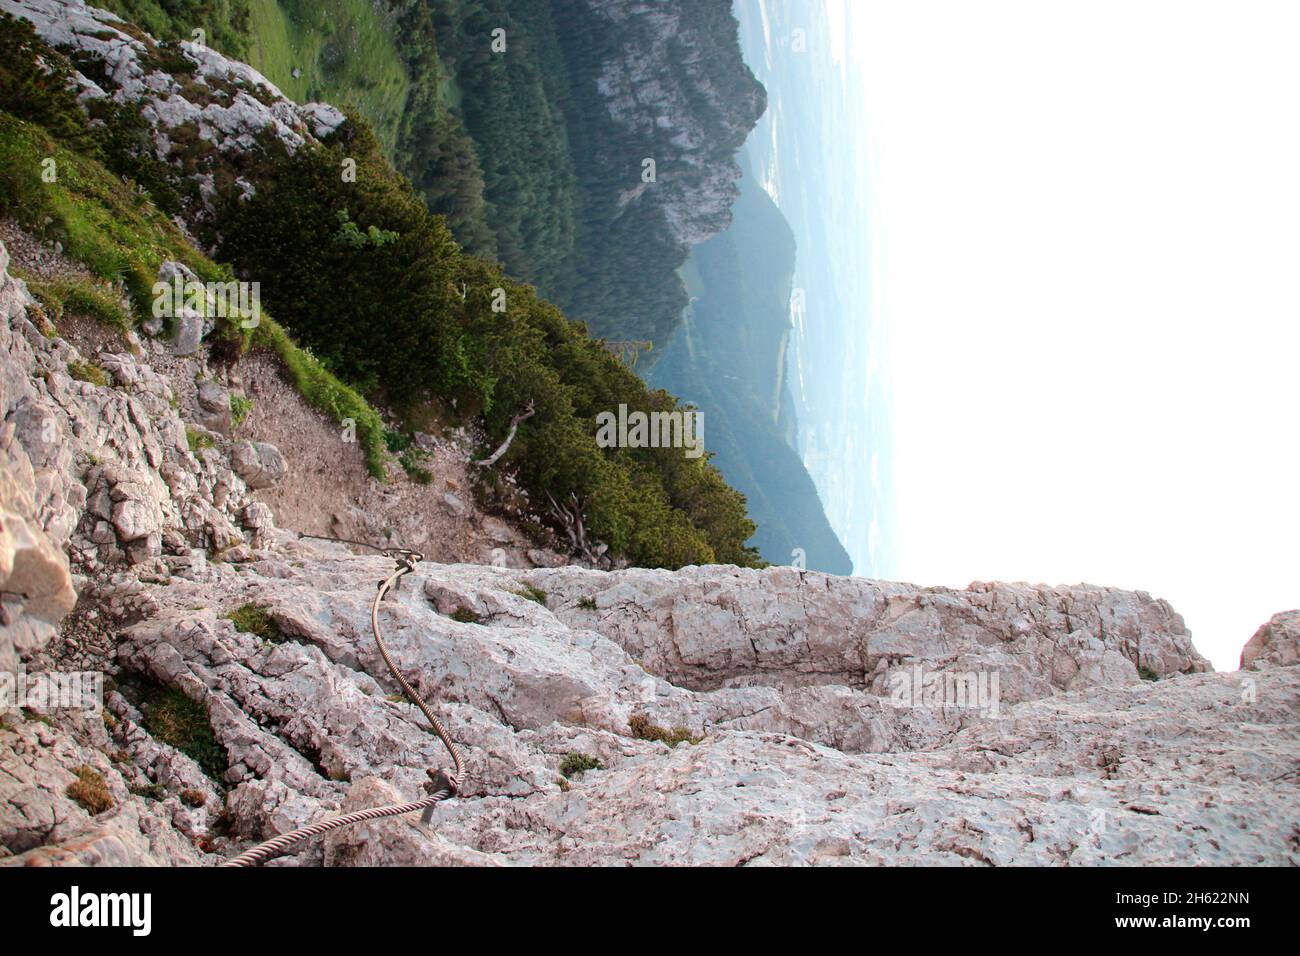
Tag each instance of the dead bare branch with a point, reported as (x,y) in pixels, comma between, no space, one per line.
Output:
(492,459)
(569,516)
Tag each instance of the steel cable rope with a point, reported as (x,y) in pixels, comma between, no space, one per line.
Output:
(440,785)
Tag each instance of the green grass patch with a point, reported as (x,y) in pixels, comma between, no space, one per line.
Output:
(88,372)
(198,439)
(255,619)
(102,220)
(587,604)
(533,594)
(575,764)
(345,52)
(240,407)
(174,719)
(78,296)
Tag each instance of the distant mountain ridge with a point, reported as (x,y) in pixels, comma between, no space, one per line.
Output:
(667,82)
(606,132)
(658,82)
(729,358)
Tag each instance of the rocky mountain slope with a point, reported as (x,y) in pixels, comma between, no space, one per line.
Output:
(212,129)
(205,114)
(184,144)
(153,496)
(709,715)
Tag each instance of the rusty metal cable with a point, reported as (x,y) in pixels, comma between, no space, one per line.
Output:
(440,785)
(386,551)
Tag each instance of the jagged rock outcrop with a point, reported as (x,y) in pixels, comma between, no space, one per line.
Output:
(102,472)
(1116,768)
(260,464)
(727,627)
(1277,643)
(198,103)
(676,85)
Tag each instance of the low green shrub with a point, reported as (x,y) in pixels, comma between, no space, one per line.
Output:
(254,619)
(174,719)
(575,764)
(90,790)
(199,439)
(240,407)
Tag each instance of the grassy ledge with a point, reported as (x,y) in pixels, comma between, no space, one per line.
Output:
(122,237)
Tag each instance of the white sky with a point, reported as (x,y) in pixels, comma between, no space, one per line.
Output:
(1088,228)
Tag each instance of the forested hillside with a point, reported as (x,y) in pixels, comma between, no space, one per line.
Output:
(510,100)
(565,115)
(355,268)
(527,124)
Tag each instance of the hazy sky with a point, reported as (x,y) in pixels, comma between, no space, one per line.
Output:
(1087,220)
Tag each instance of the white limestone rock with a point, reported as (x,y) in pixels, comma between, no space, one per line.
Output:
(259,464)
(221,101)
(1277,643)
